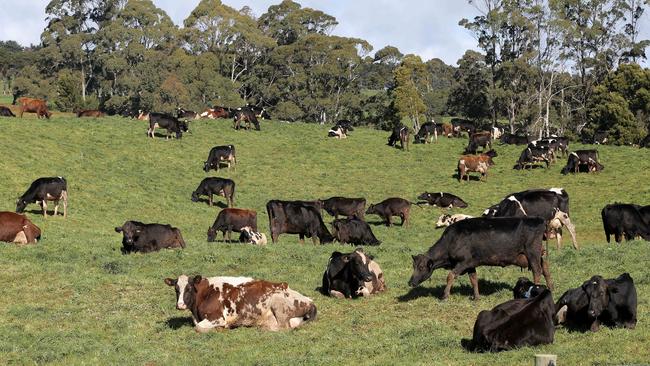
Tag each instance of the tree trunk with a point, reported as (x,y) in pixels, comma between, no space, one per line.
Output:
(83,82)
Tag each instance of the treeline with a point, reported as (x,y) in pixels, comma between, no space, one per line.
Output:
(555,66)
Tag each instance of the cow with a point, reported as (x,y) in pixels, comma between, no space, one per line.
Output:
(232,219)
(142,115)
(214,185)
(217,155)
(533,155)
(338,132)
(612,302)
(297,217)
(400,133)
(353,231)
(560,143)
(479,139)
(246,115)
(389,207)
(350,207)
(347,124)
(45,189)
(260,112)
(497,132)
(475,163)
(625,220)
(583,161)
(515,323)
(90,113)
(550,204)
(231,302)
(600,137)
(248,235)
(448,130)
(17,228)
(526,289)
(146,238)
(443,200)
(217,112)
(463,125)
(170,123)
(446,220)
(6,112)
(482,241)
(511,139)
(427,132)
(350,275)
(186,114)
(32,105)
(550,144)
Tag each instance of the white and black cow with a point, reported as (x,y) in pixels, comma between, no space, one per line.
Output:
(533,155)
(583,161)
(45,189)
(443,200)
(446,220)
(626,220)
(168,122)
(250,236)
(349,275)
(217,155)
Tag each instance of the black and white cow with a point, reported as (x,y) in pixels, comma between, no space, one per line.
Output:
(217,155)
(583,161)
(446,220)
(428,132)
(349,275)
(526,289)
(214,185)
(45,189)
(169,123)
(400,133)
(533,155)
(443,200)
(626,220)
(248,235)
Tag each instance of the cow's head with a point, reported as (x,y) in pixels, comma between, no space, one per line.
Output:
(443,220)
(206,166)
(20,205)
(492,153)
(491,211)
(357,262)
(212,235)
(183,125)
(130,232)
(596,289)
(185,290)
(371,209)
(425,196)
(195,196)
(422,269)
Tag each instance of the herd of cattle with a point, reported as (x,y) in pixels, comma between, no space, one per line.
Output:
(511,232)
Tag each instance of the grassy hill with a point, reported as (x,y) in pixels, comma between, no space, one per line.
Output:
(74,298)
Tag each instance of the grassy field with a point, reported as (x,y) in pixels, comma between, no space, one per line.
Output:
(75,299)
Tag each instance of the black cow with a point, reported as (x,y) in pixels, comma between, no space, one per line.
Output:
(169,123)
(353,231)
(400,133)
(471,243)
(232,219)
(45,189)
(145,238)
(214,185)
(550,204)
(611,302)
(217,155)
(526,289)
(515,323)
(6,112)
(511,139)
(442,199)
(349,275)
(583,161)
(479,139)
(427,132)
(186,114)
(389,207)
(532,155)
(625,220)
(297,217)
(336,206)
(246,115)
(347,124)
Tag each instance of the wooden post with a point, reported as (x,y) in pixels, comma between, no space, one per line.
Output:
(545,360)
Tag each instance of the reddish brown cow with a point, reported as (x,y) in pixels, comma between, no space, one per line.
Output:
(90,113)
(475,163)
(232,219)
(214,113)
(32,105)
(16,228)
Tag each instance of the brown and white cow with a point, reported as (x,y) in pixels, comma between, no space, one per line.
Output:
(475,163)
(16,228)
(231,302)
(32,105)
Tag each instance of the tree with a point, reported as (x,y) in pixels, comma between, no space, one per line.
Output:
(289,21)
(469,97)
(408,99)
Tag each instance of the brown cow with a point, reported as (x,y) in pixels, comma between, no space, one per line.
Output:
(32,105)
(232,219)
(16,228)
(475,163)
(90,113)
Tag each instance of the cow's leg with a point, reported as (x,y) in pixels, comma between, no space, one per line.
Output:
(547,273)
(618,235)
(64,195)
(558,238)
(337,294)
(388,220)
(44,205)
(473,279)
(56,207)
(450,281)
(210,198)
(302,239)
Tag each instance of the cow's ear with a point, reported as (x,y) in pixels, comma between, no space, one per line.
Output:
(197,279)
(118,229)
(336,254)
(170,282)
(346,258)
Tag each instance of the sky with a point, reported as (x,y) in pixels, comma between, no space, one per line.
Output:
(428,28)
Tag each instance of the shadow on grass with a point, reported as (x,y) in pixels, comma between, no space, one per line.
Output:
(471,177)
(178,322)
(214,203)
(50,212)
(485,288)
(383,223)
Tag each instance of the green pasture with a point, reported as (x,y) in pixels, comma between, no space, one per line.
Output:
(75,299)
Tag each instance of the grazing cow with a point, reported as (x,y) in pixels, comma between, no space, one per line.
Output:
(170,123)
(481,241)
(463,125)
(583,161)
(231,302)
(644,143)
(350,275)
(511,139)
(353,231)
(475,163)
(479,139)
(526,289)
(400,133)
(297,217)
(146,238)
(214,185)
(186,114)
(611,302)
(232,219)
(625,220)
(142,115)
(247,116)
(533,155)
(559,144)
(515,323)
(90,113)
(217,155)
(6,112)
(248,235)
(32,105)
(427,132)
(45,189)
(600,137)
(550,144)
(17,228)
(446,220)
(550,204)
(443,200)
(389,207)
(260,112)
(336,206)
